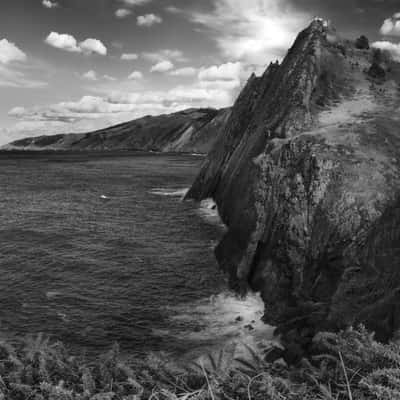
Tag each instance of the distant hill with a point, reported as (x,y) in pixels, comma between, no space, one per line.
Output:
(188,131)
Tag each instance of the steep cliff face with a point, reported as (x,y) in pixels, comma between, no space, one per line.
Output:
(193,130)
(306,176)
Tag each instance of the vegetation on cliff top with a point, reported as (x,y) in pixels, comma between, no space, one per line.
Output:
(347,365)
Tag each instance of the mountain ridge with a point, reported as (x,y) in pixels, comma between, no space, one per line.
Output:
(189,131)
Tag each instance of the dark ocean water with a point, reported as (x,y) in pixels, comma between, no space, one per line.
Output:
(100,248)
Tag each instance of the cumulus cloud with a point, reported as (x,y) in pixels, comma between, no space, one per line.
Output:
(225,77)
(122,13)
(95,112)
(254,31)
(88,107)
(391,26)
(213,86)
(135,75)
(109,78)
(11,77)
(129,56)
(93,46)
(90,75)
(11,73)
(9,52)
(93,76)
(224,72)
(148,20)
(392,48)
(186,71)
(49,4)
(120,103)
(31,128)
(162,66)
(64,41)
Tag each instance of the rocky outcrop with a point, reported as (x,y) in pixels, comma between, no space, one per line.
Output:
(189,131)
(306,176)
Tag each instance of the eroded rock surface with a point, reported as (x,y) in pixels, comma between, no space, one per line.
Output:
(306,175)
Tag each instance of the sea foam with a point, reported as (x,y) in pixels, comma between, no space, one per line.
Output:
(214,322)
(170,192)
(208,210)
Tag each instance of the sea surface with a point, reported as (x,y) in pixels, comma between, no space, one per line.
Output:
(100,248)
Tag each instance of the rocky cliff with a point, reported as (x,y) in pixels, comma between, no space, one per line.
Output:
(306,177)
(190,131)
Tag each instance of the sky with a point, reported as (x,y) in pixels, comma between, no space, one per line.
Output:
(79,65)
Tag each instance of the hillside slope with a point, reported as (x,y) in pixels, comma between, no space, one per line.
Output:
(306,176)
(192,130)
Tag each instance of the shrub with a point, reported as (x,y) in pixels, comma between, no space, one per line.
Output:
(347,365)
(362,43)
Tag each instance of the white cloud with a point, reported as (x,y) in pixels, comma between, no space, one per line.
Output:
(253,31)
(49,4)
(224,72)
(90,75)
(162,66)
(225,77)
(63,41)
(135,75)
(93,46)
(230,87)
(148,20)
(135,2)
(195,95)
(95,112)
(186,71)
(67,42)
(109,78)
(31,128)
(88,107)
(9,52)
(119,102)
(11,77)
(164,54)
(392,48)
(129,56)
(391,26)
(173,10)
(93,76)
(122,13)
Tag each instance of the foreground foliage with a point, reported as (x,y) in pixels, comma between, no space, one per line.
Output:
(349,365)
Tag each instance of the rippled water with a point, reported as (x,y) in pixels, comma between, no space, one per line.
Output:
(100,248)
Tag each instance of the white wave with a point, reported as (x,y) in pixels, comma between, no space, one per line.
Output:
(208,210)
(63,317)
(170,192)
(222,319)
(53,294)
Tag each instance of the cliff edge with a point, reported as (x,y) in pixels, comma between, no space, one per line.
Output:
(306,176)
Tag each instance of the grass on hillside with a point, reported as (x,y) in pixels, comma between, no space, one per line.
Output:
(348,365)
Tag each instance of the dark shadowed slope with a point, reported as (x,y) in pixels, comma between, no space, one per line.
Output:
(306,175)
(192,130)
